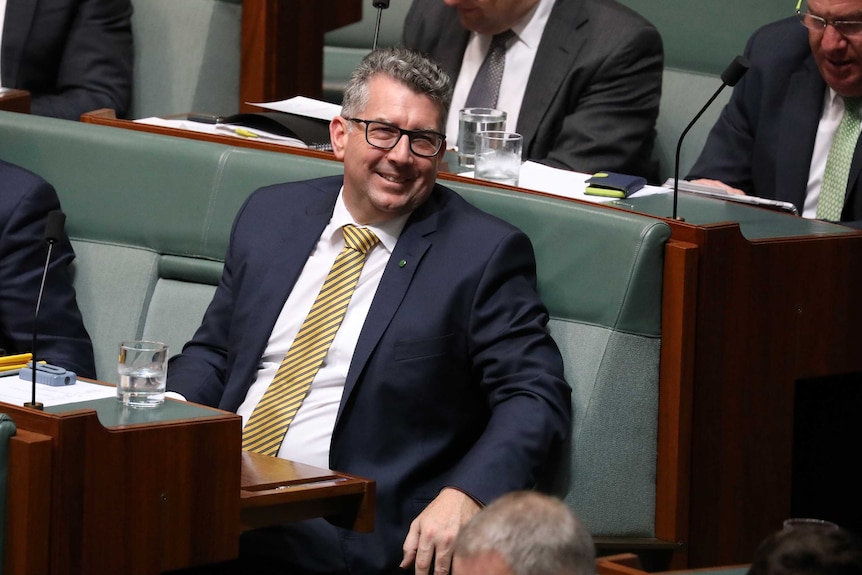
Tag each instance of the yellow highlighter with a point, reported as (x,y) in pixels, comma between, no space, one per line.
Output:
(16,359)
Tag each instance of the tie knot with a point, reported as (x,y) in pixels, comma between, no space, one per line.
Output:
(359,239)
(500,40)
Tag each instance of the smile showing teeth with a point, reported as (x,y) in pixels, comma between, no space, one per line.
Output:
(393,179)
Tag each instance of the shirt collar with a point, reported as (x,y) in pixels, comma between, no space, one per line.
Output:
(388,232)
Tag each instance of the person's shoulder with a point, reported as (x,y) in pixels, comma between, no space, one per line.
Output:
(299,189)
(785,40)
(615,13)
(21,187)
(460,212)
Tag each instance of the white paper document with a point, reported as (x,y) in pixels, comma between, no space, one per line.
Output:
(224,129)
(17,391)
(302,106)
(565,183)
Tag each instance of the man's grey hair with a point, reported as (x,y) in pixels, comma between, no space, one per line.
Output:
(409,67)
(534,534)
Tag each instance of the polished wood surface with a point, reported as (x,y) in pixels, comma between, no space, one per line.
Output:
(14,100)
(276,491)
(154,497)
(282,46)
(769,314)
(158,496)
(107,117)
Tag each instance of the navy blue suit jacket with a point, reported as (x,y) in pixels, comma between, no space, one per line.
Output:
(73,56)
(763,141)
(454,380)
(25,200)
(593,94)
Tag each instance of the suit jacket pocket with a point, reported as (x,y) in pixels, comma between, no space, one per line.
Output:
(417,349)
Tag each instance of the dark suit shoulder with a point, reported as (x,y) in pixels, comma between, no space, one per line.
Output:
(18,184)
(781,43)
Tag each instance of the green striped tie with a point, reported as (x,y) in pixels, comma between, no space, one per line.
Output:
(271,417)
(834,188)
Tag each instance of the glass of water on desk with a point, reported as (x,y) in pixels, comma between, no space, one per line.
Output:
(498,157)
(143,368)
(472,121)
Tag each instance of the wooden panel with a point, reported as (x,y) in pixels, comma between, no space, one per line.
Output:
(282,46)
(28,503)
(679,304)
(276,491)
(14,100)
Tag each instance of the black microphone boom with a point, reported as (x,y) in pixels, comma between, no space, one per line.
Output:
(731,75)
(53,233)
(380,5)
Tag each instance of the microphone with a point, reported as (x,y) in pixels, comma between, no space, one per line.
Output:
(731,75)
(380,5)
(53,233)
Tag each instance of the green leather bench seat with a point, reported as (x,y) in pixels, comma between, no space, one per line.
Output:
(150,218)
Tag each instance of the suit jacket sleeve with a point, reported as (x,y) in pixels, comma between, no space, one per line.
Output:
(62,338)
(606,118)
(82,64)
(520,371)
(727,155)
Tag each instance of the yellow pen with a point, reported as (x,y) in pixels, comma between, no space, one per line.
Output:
(16,359)
(245,133)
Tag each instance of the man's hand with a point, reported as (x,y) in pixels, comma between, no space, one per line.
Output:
(432,534)
(719,184)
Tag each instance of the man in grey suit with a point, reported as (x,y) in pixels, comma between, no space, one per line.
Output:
(593,71)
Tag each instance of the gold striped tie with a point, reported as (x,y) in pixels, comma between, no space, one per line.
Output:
(271,417)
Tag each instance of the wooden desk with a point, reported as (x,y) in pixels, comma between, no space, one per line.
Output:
(14,100)
(158,489)
(743,320)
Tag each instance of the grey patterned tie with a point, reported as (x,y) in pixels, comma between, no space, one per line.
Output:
(486,86)
(831,201)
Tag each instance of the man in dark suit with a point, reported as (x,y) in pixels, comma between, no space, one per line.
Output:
(773,138)
(25,200)
(442,383)
(583,76)
(73,56)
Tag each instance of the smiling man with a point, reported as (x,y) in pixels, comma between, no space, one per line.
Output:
(378,324)
(791,129)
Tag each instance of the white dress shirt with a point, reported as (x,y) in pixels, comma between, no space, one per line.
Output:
(308,438)
(519,62)
(2,20)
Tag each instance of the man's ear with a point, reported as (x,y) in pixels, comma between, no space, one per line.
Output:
(338,135)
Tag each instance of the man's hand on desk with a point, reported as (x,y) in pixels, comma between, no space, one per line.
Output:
(719,184)
(432,534)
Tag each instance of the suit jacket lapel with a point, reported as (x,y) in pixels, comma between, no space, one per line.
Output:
(19,18)
(559,47)
(414,241)
(299,237)
(804,103)
(453,40)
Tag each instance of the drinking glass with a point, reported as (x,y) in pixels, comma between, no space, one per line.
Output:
(143,368)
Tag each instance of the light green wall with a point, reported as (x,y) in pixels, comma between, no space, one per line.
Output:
(706,35)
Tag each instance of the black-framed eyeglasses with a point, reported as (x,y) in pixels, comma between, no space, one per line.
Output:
(385,136)
(819,24)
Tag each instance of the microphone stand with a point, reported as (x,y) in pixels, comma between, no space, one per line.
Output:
(731,75)
(380,5)
(53,231)
(33,403)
